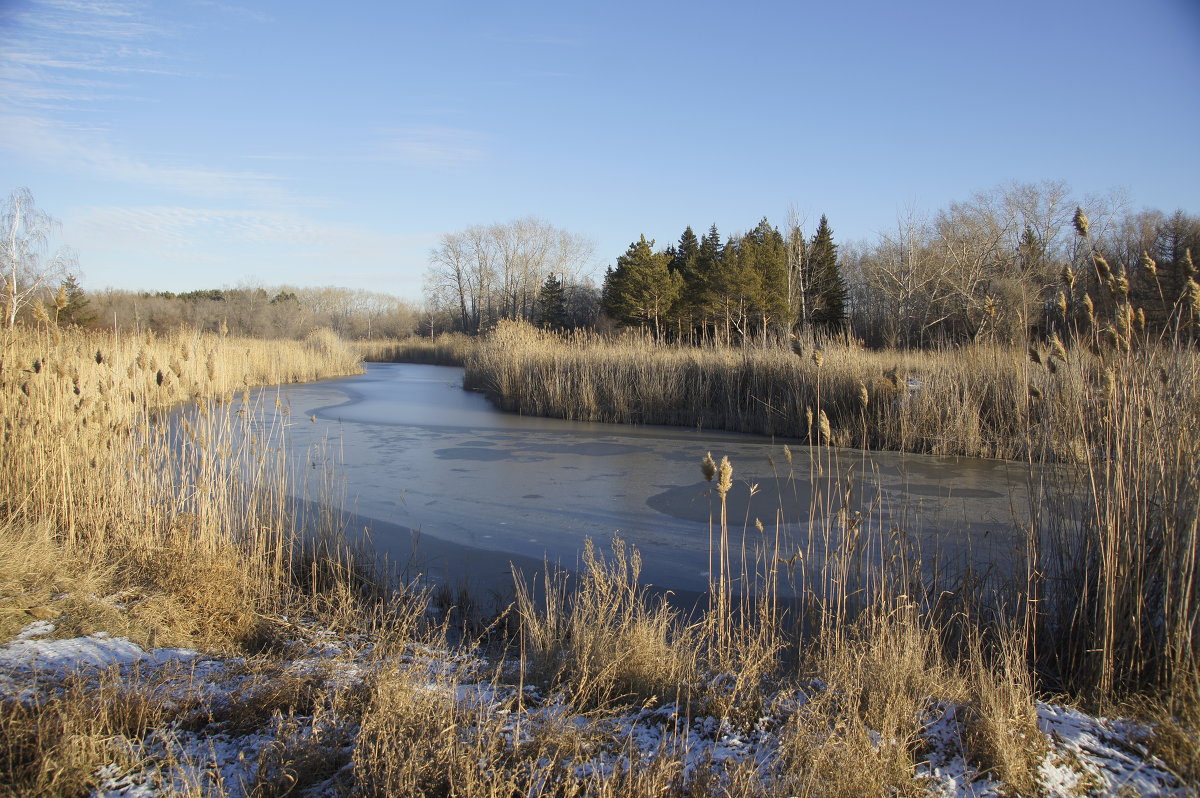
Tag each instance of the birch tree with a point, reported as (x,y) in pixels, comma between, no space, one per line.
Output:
(23,266)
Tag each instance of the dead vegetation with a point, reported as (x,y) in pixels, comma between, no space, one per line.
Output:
(116,516)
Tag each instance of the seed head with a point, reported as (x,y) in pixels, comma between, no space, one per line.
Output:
(823,423)
(1089,310)
(1189,269)
(1149,265)
(724,476)
(1057,349)
(817,357)
(1103,270)
(864,398)
(1035,393)
(1060,302)
(1034,355)
(1068,276)
(787,454)
(39,313)
(707,466)
(1081,222)
(60,299)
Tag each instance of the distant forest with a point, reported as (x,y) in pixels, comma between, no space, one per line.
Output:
(1019,261)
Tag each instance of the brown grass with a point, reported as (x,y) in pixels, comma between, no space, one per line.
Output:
(117,516)
(447,349)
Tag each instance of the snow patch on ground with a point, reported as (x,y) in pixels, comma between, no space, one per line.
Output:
(1086,755)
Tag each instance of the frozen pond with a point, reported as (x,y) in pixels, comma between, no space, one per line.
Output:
(459,489)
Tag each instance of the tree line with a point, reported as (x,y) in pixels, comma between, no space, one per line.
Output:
(1019,261)
(757,285)
(1014,262)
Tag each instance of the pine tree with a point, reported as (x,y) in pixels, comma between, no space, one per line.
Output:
(828,290)
(552,304)
(769,268)
(76,310)
(642,289)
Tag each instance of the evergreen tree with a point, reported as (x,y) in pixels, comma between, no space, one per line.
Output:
(76,310)
(684,261)
(768,268)
(828,289)
(642,289)
(702,288)
(552,304)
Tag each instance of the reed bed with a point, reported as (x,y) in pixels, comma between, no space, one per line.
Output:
(192,516)
(447,349)
(177,529)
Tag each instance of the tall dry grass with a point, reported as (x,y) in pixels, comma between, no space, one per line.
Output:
(190,513)
(447,349)
(186,517)
(973,402)
(1110,607)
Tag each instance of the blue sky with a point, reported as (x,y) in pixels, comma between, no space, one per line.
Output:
(202,143)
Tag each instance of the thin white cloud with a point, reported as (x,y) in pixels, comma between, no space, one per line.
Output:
(432,146)
(86,150)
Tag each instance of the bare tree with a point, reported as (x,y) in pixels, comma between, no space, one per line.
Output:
(27,232)
(489,272)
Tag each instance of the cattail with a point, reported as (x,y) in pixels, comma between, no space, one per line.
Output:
(1081,222)
(708,466)
(99,358)
(864,398)
(1034,355)
(823,424)
(1035,393)
(1149,265)
(37,366)
(817,357)
(724,476)
(158,377)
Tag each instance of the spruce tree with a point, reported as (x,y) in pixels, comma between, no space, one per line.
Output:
(552,304)
(828,289)
(76,310)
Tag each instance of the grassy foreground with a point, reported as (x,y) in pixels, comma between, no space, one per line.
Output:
(329,685)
